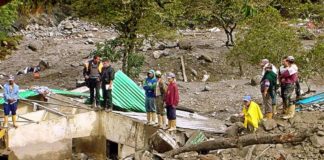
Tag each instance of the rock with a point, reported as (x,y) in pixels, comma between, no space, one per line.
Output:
(159,46)
(82,156)
(185,45)
(95,29)
(320,133)
(157,54)
(321,151)
(4,43)
(206,88)
(44,64)
(256,80)
(214,30)
(208,157)
(180,76)
(89,41)
(143,155)
(68,26)
(171,44)
(234,130)
(279,146)
(206,58)
(34,46)
(75,64)
(205,78)
(317,141)
(194,72)
(90,35)
(162,142)
(269,124)
(236,118)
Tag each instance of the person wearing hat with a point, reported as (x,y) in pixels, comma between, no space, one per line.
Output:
(160,91)
(107,77)
(269,87)
(291,59)
(11,98)
(252,114)
(149,87)
(287,79)
(171,101)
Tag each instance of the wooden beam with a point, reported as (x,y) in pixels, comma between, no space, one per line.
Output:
(183,69)
(50,109)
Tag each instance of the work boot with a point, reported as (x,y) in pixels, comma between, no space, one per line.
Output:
(173,125)
(5,123)
(274,110)
(164,120)
(291,112)
(153,118)
(148,117)
(14,118)
(160,121)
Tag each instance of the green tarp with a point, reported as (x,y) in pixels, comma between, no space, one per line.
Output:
(127,95)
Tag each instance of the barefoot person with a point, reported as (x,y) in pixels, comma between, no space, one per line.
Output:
(11,90)
(171,101)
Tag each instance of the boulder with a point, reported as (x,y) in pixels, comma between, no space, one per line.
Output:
(157,54)
(4,43)
(256,80)
(206,58)
(206,88)
(234,130)
(205,78)
(68,26)
(186,155)
(185,45)
(82,156)
(317,141)
(320,133)
(34,46)
(95,29)
(89,41)
(159,46)
(162,142)
(269,124)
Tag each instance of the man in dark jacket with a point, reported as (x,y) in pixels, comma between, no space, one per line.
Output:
(91,73)
(107,77)
(268,84)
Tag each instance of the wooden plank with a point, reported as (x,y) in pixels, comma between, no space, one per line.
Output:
(183,69)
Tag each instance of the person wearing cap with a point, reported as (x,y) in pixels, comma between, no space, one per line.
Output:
(171,101)
(107,77)
(11,98)
(149,87)
(291,59)
(160,91)
(269,86)
(287,79)
(91,73)
(252,114)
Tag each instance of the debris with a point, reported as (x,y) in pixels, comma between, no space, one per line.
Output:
(157,54)
(185,45)
(162,141)
(143,155)
(208,157)
(34,46)
(205,78)
(68,26)
(234,130)
(4,43)
(183,69)
(249,154)
(320,133)
(317,141)
(242,141)
(256,80)
(95,29)
(195,138)
(213,30)
(187,155)
(269,124)
(89,41)
(206,88)
(194,72)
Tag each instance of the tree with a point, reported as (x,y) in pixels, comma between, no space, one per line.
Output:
(132,19)
(265,37)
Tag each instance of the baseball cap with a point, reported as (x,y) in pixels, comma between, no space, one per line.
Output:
(171,75)
(291,58)
(151,71)
(11,78)
(264,61)
(247,98)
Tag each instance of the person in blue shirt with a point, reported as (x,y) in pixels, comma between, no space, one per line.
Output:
(149,87)
(11,90)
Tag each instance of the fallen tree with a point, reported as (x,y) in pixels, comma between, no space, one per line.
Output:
(236,142)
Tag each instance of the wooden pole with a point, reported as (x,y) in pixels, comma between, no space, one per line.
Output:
(183,69)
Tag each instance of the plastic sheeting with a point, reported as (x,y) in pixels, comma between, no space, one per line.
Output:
(312,99)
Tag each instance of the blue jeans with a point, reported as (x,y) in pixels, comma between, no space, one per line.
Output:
(150,104)
(10,108)
(171,113)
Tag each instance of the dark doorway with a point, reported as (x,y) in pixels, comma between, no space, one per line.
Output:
(112,150)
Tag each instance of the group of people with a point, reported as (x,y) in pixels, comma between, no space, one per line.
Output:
(287,78)
(161,99)
(99,75)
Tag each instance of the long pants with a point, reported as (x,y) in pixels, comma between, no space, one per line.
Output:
(267,103)
(171,113)
(94,85)
(297,89)
(107,97)
(273,96)
(286,93)
(150,104)
(160,105)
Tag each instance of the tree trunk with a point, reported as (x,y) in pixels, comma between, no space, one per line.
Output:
(246,140)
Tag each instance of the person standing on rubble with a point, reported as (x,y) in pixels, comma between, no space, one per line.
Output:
(91,73)
(149,87)
(265,63)
(297,85)
(107,77)
(160,91)
(252,114)
(11,98)
(287,78)
(171,101)
(268,85)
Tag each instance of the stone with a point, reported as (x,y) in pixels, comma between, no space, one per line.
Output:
(159,46)
(68,26)
(205,78)
(269,124)
(256,80)
(95,29)
(208,157)
(75,64)
(185,45)
(317,141)
(206,88)
(194,72)
(320,133)
(279,146)
(89,41)
(234,130)
(321,151)
(34,46)
(170,44)
(44,64)
(206,58)
(82,156)
(4,43)
(157,54)
(214,30)
(162,142)
(143,155)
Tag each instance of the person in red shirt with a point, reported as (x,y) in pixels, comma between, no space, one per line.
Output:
(171,101)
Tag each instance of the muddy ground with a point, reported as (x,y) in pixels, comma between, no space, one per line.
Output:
(66,52)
